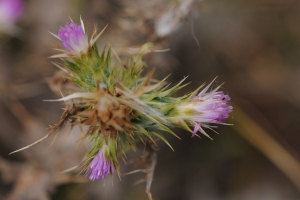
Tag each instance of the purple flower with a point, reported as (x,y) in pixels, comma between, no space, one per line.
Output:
(210,107)
(10,11)
(205,108)
(100,166)
(74,39)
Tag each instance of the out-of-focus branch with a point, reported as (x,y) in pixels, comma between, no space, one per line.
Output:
(171,20)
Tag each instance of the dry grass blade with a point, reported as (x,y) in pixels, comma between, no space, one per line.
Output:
(275,152)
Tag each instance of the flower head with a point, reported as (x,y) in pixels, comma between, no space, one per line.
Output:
(206,108)
(10,11)
(73,38)
(100,166)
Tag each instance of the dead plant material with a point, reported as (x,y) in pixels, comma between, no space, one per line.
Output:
(68,112)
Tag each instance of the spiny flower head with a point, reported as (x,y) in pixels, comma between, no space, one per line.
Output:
(100,166)
(121,108)
(205,108)
(73,38)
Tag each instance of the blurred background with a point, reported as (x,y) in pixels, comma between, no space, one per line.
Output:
(252,46)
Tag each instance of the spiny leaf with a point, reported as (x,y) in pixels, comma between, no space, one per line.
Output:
(173,89)
(145,132)
(163,139)
(165,128)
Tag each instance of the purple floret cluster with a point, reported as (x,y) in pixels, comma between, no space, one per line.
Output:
(100,167)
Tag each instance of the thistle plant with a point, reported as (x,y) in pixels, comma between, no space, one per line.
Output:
(121,108)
